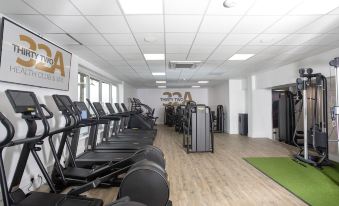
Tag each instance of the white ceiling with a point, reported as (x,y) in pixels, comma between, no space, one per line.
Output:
(278,32)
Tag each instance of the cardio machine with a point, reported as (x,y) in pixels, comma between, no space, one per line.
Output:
(93,156)
(115,141)
(142,117)
(124,130)
(27,104)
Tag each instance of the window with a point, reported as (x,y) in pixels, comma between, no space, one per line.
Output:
(105,92)
(82,87)
(114,94)
(94,90)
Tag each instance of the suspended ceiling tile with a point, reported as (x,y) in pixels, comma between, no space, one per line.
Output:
(109,24)
(104,7)
(72,24)
(51,7)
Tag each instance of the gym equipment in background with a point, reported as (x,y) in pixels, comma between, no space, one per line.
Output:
(335,109)
(313,87)
(179,114)
(197,128)
(169,117)
(286,116)
(219,120)
(243,124)
(142,116)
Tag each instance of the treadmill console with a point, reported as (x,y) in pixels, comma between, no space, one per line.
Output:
(83,109)
(99,108)
(22,101)
(110,108)
(118,107)
(124,107)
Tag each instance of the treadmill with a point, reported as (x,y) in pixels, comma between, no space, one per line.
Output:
(115,137)
(90,156)
(123,131)
(106,144)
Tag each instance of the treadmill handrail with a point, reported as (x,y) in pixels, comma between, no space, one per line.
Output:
(95,183)
(93,109)
(9,129)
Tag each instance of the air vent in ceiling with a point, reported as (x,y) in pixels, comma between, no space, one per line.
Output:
(183,64)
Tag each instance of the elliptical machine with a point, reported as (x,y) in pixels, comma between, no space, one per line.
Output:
(315,135)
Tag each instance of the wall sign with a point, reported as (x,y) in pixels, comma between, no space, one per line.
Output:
(175,98)
(29,59)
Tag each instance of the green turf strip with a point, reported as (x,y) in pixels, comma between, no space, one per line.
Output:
(318,187)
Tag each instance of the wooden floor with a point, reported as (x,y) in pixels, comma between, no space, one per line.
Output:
(222,178)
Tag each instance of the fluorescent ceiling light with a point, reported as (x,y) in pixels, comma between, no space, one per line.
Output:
(161,86)
(312,7)
(158,73)
(141,6)
(160,82)
(240,57)
(195,86)
(154,56)
(202,82)
(184,61)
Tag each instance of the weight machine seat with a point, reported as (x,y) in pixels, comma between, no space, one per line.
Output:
(52,199)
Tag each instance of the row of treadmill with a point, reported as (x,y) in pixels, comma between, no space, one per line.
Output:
(119,153)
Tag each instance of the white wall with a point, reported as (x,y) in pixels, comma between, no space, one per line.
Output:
(237,103)
(287,74)
(126,91)
(232,95)
(152,97)
(219,95)
(259,106)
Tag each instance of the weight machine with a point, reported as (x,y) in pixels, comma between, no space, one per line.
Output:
(197,129)
(313,87)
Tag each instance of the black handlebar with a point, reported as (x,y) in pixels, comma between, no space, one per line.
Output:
(9,128)
(50,114)
(92,107)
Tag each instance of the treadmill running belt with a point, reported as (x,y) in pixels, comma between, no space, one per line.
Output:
(103,156)
(50,199)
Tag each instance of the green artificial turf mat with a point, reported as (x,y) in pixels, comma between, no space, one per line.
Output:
(318,187)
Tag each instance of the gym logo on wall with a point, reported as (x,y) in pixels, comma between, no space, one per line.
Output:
(175,98)
(29,59)
(36,59)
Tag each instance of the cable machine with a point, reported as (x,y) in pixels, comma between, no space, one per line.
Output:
(335,109)
(313,87)
(219,120)
(197,129)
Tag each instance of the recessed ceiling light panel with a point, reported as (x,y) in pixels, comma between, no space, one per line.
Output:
(202,82)
(161,86)
(141,6)
(240,57)
(150,57)
(160,82)
(195,86)
(158,73)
